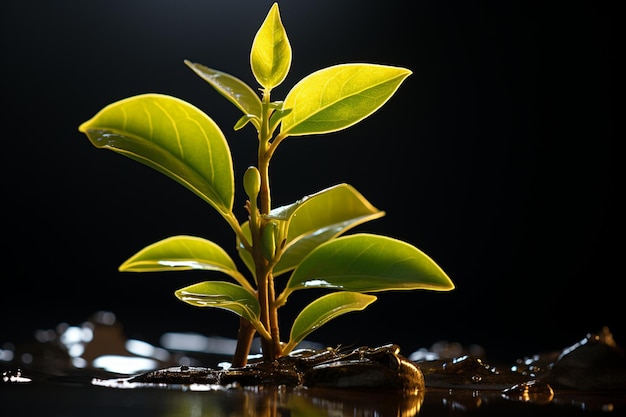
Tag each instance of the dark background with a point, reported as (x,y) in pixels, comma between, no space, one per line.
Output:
(496,157)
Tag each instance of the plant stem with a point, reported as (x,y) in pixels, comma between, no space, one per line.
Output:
(273,318)
(266,292)
(266,345)
(244,343)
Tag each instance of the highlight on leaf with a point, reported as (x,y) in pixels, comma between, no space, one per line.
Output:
(226,296)
(338,97)
(270,57)
(367,263)
(235,90)
(314,220)
(171,136)
(324,309)
(182,253)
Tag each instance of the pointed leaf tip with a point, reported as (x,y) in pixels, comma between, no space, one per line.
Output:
(270,57)
(324,309)
(368,263)
(338,97)
(235,90)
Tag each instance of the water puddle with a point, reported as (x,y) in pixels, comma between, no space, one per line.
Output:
(73,369)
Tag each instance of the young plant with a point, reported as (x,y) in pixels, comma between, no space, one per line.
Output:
(305,240)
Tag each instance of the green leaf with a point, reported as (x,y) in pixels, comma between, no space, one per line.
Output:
(243,120)
(226,296)
(246,256)
(318,218)
(367,263)
(314,220)
(276,117)
(270,57)
(337,97)
(324,309)
(181,253)
(235,90)
(171,136)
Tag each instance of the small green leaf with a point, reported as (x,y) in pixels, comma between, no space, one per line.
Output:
(235,90)
(337,97)
(367,263)
(226,296)
(171,136)
(270,57)
(322,310)
(318,218)
(277,117)
(180,253)
(245,119)
(314,220)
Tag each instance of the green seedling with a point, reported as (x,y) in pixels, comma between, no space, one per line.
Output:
(304,244)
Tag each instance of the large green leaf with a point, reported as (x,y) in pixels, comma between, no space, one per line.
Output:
(270,57)
(314,220)
(337,97)
(226,296)
(171,136)
(324,309)
(367,263)
(235,90)
(179,253)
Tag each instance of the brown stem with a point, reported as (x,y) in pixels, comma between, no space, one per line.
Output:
(244,343)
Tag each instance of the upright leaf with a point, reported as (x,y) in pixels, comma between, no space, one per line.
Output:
(270,57)
(314,220)
(324,309)
(318,218)
(337,97)
(171,136)
(367,263)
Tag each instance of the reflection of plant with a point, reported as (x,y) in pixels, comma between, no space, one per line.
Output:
(302,238)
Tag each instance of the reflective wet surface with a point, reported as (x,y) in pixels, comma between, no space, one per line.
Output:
(93,369)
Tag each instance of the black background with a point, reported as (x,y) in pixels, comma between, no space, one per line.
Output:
(496,157)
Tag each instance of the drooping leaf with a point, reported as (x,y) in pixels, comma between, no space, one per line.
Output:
(245,119)
(367,263)
(226,296)
(324,309)
(337,97)
(235,90)
(171,136)
(270,57)
(314,220)
(180,253)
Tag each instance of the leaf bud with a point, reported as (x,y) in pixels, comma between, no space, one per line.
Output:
(252,183)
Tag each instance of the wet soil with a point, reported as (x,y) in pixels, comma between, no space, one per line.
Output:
(66,371)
